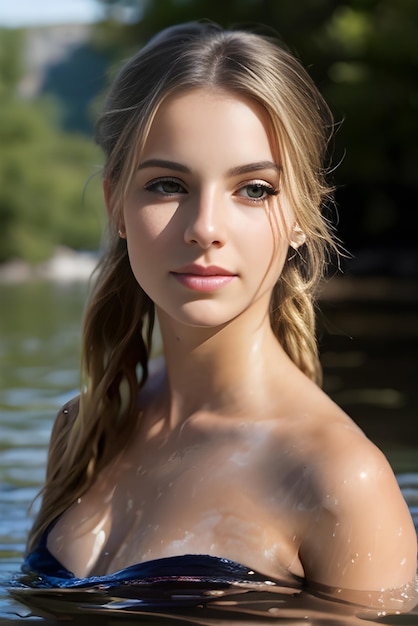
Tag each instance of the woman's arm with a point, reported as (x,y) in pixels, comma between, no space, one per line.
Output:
(362,537)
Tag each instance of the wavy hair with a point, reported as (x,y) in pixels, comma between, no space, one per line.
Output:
(119,317)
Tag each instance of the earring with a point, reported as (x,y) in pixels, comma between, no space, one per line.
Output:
(297,238)
(121,233)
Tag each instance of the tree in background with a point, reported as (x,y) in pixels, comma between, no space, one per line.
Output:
(43,172)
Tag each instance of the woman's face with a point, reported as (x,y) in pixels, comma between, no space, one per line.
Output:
(206,229)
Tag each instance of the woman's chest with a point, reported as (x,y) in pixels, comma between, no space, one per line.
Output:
(231,496)
(202,500)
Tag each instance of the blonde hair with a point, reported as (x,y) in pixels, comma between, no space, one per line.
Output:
(119,319)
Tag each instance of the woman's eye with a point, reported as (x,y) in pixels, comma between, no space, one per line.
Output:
(166,187)
(257,191)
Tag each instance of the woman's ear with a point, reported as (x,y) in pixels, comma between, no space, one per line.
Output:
(297,237)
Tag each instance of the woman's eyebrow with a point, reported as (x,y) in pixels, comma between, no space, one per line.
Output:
(254,167)
(234,171)
(171,165)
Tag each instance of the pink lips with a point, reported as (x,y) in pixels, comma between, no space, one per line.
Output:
(203,279)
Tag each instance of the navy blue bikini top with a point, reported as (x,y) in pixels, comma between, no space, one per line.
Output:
(42,569)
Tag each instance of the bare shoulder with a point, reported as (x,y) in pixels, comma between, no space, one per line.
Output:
(345,459)
(361,535)
(352,468)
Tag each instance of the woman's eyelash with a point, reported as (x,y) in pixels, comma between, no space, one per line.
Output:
(156,186)
(271,191)
(255,187)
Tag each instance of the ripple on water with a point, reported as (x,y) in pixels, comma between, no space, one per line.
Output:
(39,346)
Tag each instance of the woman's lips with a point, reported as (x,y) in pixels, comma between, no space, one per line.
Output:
(203,279)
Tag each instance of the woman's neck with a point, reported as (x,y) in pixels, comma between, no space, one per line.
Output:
(235,369)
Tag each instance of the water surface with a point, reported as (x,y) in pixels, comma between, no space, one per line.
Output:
(39,360)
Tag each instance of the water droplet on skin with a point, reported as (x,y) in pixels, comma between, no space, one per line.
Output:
(275,611)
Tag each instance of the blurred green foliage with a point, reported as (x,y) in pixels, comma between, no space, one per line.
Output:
(363,55)
(43,172)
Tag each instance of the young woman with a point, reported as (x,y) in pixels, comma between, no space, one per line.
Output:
(214,184)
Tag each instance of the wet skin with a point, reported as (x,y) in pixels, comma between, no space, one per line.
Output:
(235,453)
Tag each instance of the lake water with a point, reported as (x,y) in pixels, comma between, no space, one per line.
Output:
(370,369)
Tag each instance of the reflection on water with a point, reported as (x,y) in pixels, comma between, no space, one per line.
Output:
(39,359)
(39,335)
(185,602)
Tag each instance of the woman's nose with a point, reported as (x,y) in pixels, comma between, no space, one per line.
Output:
(205,226)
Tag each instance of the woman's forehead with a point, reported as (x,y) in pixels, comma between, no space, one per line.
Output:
(198,120)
